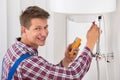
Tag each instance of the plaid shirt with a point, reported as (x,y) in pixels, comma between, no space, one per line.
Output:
(37,68)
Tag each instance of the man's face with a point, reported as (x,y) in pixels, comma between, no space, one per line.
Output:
(37,32)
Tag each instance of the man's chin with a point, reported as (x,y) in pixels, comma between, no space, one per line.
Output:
(42,44)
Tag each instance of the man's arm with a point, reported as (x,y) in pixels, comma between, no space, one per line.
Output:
(91,40)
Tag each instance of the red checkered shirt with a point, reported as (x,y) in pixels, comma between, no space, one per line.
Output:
(37,68)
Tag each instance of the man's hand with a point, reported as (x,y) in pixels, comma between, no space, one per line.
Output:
(92,36)
(68,59)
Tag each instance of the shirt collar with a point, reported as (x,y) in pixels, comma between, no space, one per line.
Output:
(27,48)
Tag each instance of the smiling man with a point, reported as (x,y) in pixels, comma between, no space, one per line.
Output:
(34,31)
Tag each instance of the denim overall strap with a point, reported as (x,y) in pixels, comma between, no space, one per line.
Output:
(16,64)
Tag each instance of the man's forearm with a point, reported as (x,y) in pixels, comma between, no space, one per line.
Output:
(65,62)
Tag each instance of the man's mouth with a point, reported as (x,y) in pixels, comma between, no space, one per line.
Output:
(41,39)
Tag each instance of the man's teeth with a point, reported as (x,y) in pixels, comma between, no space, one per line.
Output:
(42,39)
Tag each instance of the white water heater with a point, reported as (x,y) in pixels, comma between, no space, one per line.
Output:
(82,6)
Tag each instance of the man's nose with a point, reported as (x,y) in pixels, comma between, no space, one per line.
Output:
(44,32)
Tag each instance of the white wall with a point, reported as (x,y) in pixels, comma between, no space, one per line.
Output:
(59,37)
(3,29)
(115,29)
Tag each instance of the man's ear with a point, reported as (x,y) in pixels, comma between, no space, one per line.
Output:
(23,29)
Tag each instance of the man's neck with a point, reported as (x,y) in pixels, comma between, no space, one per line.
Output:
(25,41)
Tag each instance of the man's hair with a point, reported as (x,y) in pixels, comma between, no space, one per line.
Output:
(30,13)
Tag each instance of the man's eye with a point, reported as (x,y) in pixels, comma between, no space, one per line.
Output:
(37,28)
(46,27)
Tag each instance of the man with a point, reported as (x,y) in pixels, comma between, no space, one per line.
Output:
(34,31)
